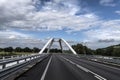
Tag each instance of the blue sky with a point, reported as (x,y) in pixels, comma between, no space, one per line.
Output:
(32,22)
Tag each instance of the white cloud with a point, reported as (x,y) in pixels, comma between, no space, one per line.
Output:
(54,15)
(8,34)
(16,39)
(103,34)
(107,3)
(108,30)
(106,35)
(117,12)
(14,10)
(96,45)
(12,37)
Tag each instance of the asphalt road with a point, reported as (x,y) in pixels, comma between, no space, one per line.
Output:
(70,67)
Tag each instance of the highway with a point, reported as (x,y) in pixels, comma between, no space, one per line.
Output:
(69,67)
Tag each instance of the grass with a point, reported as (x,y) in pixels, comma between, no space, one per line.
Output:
(14,53)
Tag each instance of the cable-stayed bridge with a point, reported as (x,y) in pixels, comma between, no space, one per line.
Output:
(61,66)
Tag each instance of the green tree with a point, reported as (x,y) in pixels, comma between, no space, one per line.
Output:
(27,49)
(79,48)
(8,49)
(116,52)
(18,49)
(1,49)
(36,50)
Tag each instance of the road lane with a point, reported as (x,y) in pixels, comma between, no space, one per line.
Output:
(35,72)
(46,69)
(101,69)
(60,69)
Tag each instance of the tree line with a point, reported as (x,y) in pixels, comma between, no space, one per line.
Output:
(19,49)
(79,48)
(27,49)
(109,51)
(8,51)
(113,50)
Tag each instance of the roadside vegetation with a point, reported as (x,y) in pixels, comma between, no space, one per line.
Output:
(79,48)
(113,50)
(8,51)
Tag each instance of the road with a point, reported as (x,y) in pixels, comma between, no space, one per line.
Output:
(70,67)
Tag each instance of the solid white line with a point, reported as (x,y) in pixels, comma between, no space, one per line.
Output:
(85,69)
(98,77)
(45,71)
(101,78)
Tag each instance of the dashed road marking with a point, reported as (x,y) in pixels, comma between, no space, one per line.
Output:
(85,69)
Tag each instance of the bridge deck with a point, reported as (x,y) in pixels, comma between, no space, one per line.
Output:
(69,67)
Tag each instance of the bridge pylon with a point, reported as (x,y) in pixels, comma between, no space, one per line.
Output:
(60,41)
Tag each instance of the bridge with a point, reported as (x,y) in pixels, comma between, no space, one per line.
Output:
(61,66)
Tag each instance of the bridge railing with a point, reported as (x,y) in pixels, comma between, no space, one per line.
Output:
(14,56)
(105,59)
(16,60)
(14,66)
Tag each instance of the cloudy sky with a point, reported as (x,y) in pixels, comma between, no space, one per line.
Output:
(32,22)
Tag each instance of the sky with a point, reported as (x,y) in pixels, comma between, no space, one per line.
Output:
(30,23)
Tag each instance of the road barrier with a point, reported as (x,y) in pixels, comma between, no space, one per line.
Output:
(107,59)
(13,67)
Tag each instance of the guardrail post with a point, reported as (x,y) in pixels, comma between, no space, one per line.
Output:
(25,59)
(11,56)
(17,61)
(4,65)
(3,57)
(30,58)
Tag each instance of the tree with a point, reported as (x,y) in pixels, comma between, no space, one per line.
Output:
(79,48)
(1,49)
(109,51)
(100,52)
(8,49)
(36,50)
(55,50)
(18,49)
(116,52)
(89,51)
(27,49)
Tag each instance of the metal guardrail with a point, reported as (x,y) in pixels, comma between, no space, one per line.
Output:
(109,59)
(7,57)
(13,56)
(9,62)
(9,67)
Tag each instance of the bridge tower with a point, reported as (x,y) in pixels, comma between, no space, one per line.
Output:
(60,41)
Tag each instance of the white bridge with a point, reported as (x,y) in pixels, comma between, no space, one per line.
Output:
(50,43)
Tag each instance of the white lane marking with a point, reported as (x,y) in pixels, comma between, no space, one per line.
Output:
(85,69)
(45,71)
(98,77)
